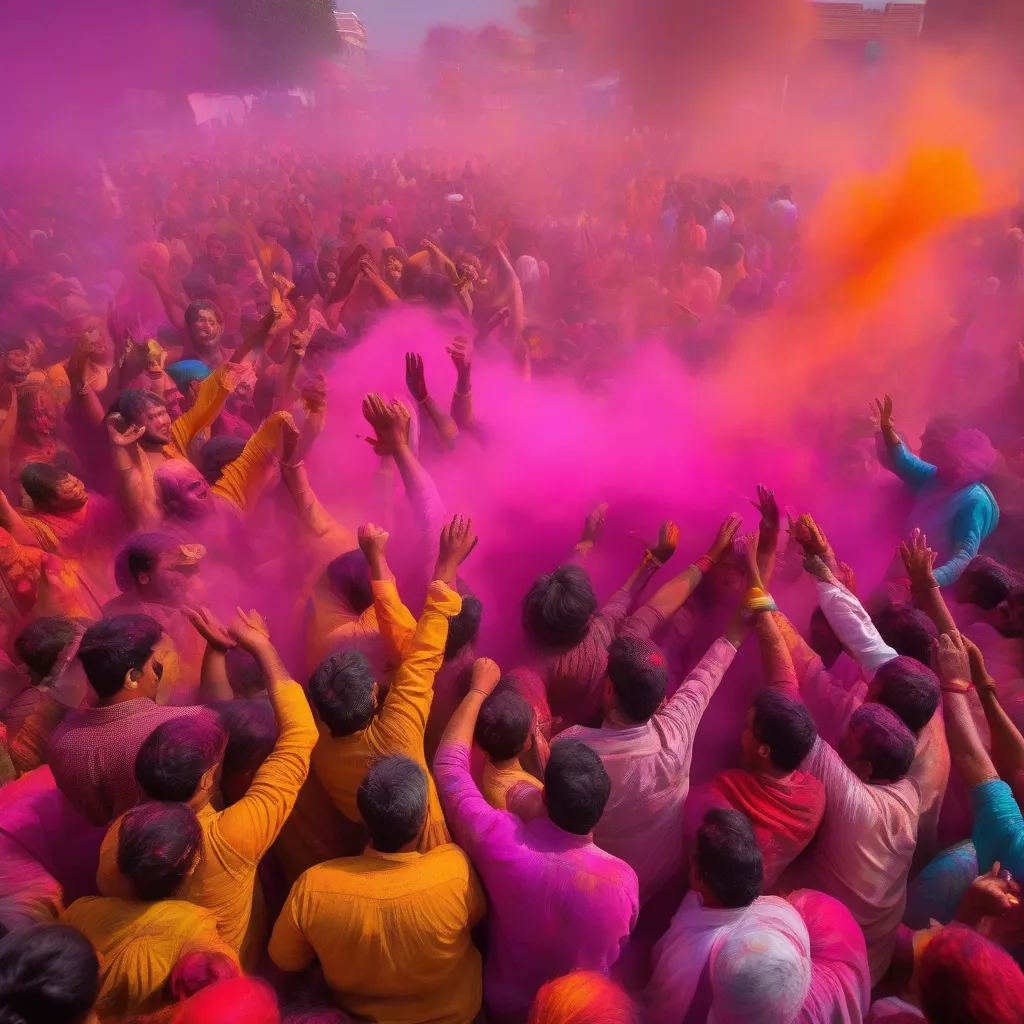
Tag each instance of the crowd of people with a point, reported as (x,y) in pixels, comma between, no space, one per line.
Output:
(251,772)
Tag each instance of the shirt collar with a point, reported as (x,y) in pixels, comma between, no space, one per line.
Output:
(116,712)
(398,858)
(568,840)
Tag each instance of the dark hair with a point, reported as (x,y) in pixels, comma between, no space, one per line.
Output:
(558,607)
(907,630)
(639,677)
(41,643)
(504,722)
(140,554)
(349,576)
(576,786)
(822,639)
(392,800)
(177,754)
(786,726)
(885,742)
(111,648)
(966,977)
(156,848)
(134,403)
(201,306)
(217,453)
(910,689)
(49,974)
(341,688)
(10,341)
(989,581)
(463,628)
(728,857)
(40,481)
(251,735)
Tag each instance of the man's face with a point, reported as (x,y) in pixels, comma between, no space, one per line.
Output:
(1008,617)
(18,364)
(206,329)
(157,422)
(71,494)
(170,582)
(216,249)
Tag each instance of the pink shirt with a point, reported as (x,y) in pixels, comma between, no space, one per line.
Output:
(557,903)
(649,766)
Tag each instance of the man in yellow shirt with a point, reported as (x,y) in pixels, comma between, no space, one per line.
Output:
(182,762)
(140,938)
(502,732)
(391,928)
(356,728)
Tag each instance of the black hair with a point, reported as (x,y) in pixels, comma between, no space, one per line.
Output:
(885,742)
(989,581)
(201,306)
(786,726)
(728,858)
(217,453)
(177,754)
(464,627)
(576,786)
(11,341)
(504,723)
(907,630)
(157,846)
(40,480)
(140,554)
(111,648)
(251,735)
(341,688)
(349,576)
(558,607)
(639,676)
(392,800)
(49,974)
(910,689)
(41,643)
(133,404)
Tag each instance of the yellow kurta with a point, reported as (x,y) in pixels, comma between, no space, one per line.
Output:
(496,783)
(138,945)
(236,839)
(210,399)
(341,762)
(392,933)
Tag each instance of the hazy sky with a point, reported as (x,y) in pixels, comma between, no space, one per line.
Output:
(398,24)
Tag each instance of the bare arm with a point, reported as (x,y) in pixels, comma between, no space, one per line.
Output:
(462,397)
(1007,742)
(919,561)
(174,304)
(415,379)
(214,684)
(15,525)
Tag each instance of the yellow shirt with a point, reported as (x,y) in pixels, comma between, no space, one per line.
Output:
(243,481)
(496,782)
(236,839)
(341,762)
(138,945)
(391,931)
(210,399)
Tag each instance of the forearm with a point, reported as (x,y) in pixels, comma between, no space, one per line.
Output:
(424,496)
(12,522)
(213,677)
(461,726)
(1007,742)
(462,401)
(88,403)
(778,666)
(852,625)
(275,674)
(253,340)
(928,598)
(669,598)
(445,425)
(965,746)
(767,545)
(641,575)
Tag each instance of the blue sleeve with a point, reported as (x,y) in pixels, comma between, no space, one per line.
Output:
(914,472)
(998,827)
(970,528)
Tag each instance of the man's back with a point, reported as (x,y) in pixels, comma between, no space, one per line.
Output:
(392,933)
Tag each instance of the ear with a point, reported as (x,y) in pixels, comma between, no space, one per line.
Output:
(764,751)
(207,781)
(131,679)
(143,578)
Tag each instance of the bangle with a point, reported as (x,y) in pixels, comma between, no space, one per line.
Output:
(423,401)
(957,686)
(293,465)
(650,559)
(464,394)
(756,600)
(476,689)
(704,564)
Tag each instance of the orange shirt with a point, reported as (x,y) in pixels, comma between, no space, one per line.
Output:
(496,783)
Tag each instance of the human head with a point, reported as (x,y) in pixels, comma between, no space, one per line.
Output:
(205,324)
(49,974)
(187,375)
(42,642)
(215,247)
(157,849)
(117,655)
(344,692)
(558,607)
(239,1000)
(37,411)
(15,355)
(1008,615)
(251,734)
(141,408)
(576,786)
(349,578)
(985,583)
(908,688)
(183,491)
(637,678)
(392,800)
(217,453)
(965,977)
(158,568)
(180,759)
(877,746)
(504,722)
(726,867)
(53,489)
(582,997)
(464,627)
(778,734)
(907,630)
(761,971)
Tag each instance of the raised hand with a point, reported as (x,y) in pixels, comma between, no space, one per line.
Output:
(389,423)
(290,435)
(249,631)
(210,628)
(979,672)
(457,541)
(314,394)
(725,536)
(373,540)
(952,660)
(882,413)
(767,506)
(233,374)
(486,676)
(668,541)
(594,524)
(120,434)
(918,560)
(462,354)
(745,546)
(806,532)
(415,378)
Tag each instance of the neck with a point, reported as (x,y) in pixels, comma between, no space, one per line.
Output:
(200,800)
(620,721)
(121,697)
(772,772)
(511,762)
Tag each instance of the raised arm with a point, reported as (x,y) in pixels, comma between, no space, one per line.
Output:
(395,622)
(462,396)
(12,522)
(1007,742)
(914,472)
(244,480)
(212,395)
(415,379)
(972,525)
(919,562)
(768,533)
(174,304)
(213,675)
